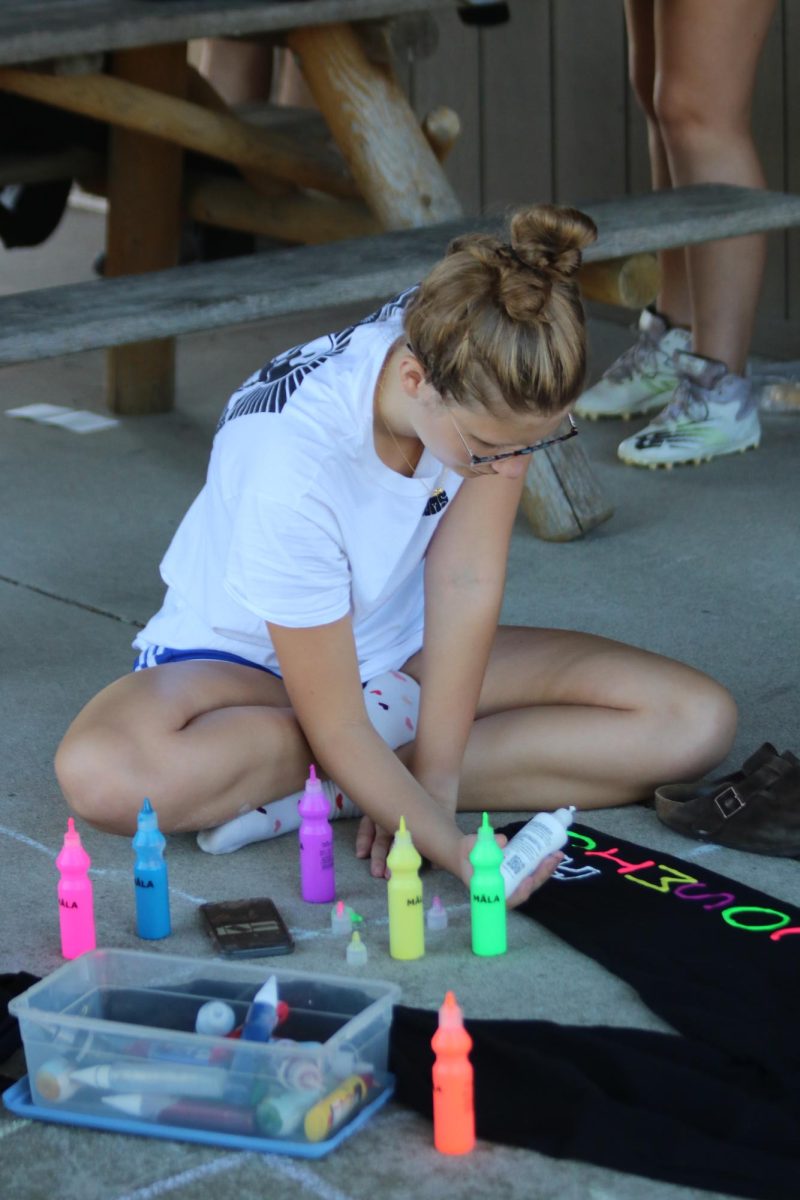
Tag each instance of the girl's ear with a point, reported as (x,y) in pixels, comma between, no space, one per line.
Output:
(412,375)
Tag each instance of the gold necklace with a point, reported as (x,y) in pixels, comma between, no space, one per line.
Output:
(384,423)
(398,447)
(438,497)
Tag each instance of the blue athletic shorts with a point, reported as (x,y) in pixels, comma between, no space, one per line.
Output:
(154,656)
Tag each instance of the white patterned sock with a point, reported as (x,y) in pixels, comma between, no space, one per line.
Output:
(269,821)
(392,703)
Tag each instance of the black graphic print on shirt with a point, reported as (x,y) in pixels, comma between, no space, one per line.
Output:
(438,500)
(269,389)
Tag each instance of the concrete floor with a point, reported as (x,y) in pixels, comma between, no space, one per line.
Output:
(700,564)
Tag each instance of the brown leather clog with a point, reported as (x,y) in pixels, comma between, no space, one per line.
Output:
(758,811)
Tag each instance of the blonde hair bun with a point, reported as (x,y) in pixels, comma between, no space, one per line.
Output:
(499,318)
(550,239)
(544,250)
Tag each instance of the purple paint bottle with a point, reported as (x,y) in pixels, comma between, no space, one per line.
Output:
(317,882)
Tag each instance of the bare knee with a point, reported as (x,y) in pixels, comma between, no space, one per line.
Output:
(90,766)
(701,726)
(686,121)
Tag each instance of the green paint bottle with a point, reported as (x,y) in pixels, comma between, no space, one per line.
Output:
(487,894)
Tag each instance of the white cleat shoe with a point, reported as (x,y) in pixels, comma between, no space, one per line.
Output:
(713,412)
(642,379)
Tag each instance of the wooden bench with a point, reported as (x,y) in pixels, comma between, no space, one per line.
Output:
(562,499)
(124,62)
(187,299)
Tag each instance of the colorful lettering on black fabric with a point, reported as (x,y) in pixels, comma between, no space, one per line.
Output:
(749,918)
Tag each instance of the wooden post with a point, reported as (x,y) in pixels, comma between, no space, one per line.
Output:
(631,282)
(561,498)
(200,91)
(442,128)
(375,129)
(300,217)
(143,230)
(146,109)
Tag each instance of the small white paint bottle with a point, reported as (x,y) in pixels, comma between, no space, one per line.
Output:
(544,834)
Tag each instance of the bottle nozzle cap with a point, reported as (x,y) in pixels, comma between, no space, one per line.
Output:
(72,837)
(72,854)
(450,1015)
(313,782)
(148,817)
(268,992)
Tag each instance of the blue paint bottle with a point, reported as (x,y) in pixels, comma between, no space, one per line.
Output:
(150,877)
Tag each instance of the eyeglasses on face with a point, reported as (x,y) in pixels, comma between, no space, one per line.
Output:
(476,460)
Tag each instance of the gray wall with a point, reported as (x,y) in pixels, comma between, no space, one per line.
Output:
(548,114)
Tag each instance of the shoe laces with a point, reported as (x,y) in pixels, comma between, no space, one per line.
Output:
(688,403)
(640,356)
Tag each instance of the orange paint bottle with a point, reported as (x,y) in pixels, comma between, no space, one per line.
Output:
(453,1087)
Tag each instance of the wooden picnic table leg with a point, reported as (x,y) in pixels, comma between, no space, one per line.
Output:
(375,128)
(144,221)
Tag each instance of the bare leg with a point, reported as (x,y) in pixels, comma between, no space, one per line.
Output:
(706,59)
(205,741)
(563,718)
(290,87)
(569,718)
(240,71)
(674,300)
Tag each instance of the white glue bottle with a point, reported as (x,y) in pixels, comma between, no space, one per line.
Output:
(544,834)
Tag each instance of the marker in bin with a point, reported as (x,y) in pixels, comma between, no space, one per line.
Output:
(215,1018)
(201,1082)
(278,1116)
(261,1019)
(262,1015)
(176,1110)
(333,1110)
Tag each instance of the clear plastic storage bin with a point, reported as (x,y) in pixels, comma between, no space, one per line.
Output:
(109,1040)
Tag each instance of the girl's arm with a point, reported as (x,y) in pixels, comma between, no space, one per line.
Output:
(465,575)
(320,671)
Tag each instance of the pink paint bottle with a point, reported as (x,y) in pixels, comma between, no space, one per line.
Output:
(317,882)
(75,903)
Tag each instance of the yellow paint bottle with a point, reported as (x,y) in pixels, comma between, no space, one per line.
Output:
(404,893)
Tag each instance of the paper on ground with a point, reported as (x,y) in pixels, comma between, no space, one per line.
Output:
(77,420)
(37,412)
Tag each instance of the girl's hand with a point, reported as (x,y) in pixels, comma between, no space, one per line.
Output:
(532,883)
(374,843)
(528,885)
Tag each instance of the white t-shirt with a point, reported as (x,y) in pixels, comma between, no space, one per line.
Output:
(299,522)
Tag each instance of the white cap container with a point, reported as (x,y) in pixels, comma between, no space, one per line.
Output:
(544,834)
